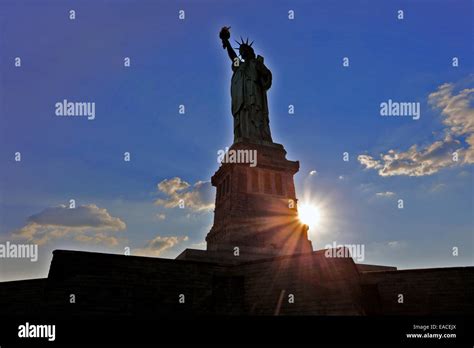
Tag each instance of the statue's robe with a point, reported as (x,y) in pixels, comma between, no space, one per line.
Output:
(250,82)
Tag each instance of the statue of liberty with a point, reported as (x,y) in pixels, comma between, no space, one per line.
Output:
(250,81)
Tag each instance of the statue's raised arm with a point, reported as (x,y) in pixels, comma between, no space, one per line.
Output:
(225,36)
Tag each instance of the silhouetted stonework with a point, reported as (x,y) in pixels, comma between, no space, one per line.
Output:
(256,206)
(118,285)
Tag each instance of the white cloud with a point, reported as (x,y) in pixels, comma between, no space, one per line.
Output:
(158,245)
(438,188)
(82,216)
(160,216)
(459,114)
(394,244)
(366,187)
(385,194)
(369,162)
(201,246)
(458,117)
(85,223)
(98,238)
(198,198)
(171,186)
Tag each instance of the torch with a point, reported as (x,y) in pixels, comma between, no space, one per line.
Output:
(224,35)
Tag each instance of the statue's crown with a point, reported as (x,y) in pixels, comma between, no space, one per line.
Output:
(243,43)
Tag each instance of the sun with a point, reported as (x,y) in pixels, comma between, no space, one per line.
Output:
(309,214)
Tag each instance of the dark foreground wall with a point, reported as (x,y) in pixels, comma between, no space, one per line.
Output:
(304,284)
(435,291)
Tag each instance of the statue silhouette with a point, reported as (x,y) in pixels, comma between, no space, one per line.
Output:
(250,81)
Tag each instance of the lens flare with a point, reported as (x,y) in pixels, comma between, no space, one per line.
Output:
(309,214)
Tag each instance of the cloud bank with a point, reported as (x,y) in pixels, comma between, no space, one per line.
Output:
(85,223)
(458,119)
(197,198)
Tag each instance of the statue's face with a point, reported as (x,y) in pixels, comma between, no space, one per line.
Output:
(246,52)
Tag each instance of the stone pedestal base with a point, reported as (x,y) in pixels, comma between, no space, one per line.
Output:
(256,205)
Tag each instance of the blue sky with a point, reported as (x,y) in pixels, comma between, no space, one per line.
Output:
(177,62)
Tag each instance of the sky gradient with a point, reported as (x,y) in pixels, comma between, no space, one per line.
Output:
(174,62)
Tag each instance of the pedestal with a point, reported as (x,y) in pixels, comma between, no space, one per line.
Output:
(256,205)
